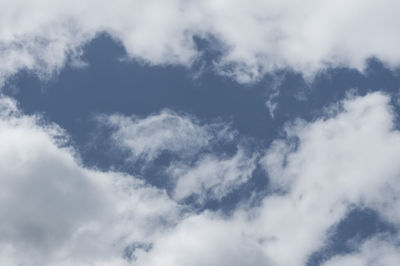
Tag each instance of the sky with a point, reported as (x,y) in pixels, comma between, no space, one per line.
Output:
(199,133)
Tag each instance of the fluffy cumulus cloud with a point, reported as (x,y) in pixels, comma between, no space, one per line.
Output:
(324,168)
(207,240)
(253,38)
(57,212)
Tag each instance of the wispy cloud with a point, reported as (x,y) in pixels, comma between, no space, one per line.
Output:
(197,169)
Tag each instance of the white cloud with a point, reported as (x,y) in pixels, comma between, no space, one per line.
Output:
(274,92)
(212,176)
(56,212)
(321,171)
(326,167)
(207,239)
(146,138)
(197,170)
(256,38)
(376,251)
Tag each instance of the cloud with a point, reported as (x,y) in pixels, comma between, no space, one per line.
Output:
(253,39)
(212,177)
(197,169)
(146,138)
(57,212)
(324,168)
(375,251)
(318,173)
(207,240)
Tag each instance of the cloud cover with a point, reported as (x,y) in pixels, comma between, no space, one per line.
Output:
(253,38)
(57,212)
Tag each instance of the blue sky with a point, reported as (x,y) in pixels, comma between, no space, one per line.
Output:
(199,133)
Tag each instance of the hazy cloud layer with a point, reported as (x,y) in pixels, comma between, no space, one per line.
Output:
(253,38)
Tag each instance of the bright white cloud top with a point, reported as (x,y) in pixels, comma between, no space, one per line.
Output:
(253,38)
(88,217)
